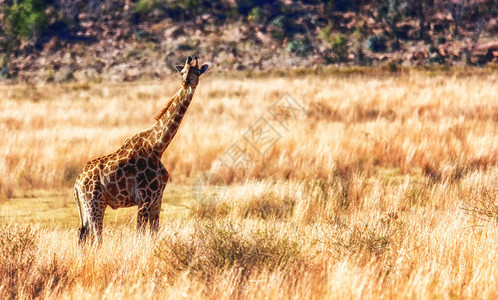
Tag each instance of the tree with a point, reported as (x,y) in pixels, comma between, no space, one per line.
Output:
(27,19)
(458,10)
(422,9)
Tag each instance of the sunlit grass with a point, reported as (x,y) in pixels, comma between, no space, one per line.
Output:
(57,209)
(385,188)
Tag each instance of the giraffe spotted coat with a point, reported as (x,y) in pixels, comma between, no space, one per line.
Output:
(134,174)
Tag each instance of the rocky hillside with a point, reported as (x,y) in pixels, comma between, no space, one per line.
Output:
(43,41)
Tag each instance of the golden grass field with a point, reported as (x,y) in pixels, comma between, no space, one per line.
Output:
(386,187)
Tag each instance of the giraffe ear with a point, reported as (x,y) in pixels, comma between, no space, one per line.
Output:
(204,68)
(179,68)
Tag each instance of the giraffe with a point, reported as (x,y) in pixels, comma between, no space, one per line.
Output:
(134,175)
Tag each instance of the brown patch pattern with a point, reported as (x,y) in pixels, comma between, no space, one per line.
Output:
(134,174)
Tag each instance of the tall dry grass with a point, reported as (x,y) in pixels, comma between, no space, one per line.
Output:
(385,188)
(369,255)
(443,127)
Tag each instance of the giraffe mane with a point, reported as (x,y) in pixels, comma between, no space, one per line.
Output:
(165,109)
(161,113)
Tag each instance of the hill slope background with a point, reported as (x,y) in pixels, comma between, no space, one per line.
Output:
(44,41)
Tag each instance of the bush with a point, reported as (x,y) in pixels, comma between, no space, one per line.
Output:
(144,7)
(357,45)
(441,40)
(279,21)
(257,15)
(393,65)
(278,33)
(23,274)
(325,33)
(483,205)
(219,245)
(267,206)
(27,19)
(369,239)
(189,9)
(300,47)
(284,22)
(17,258)
(343,5)
(340,47)
(4,72)
(376,43)
(434,56)
(432,49)
(245,6)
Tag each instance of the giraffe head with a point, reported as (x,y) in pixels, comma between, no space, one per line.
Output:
(191,72)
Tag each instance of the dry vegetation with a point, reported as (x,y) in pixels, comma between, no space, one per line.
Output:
(386,187)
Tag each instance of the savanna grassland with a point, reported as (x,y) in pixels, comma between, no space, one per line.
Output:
(385,187)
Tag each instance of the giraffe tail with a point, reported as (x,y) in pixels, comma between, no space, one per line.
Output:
(83,230)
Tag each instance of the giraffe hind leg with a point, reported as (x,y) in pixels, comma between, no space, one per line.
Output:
(87,230)
(84,230)
(97,221)
(92,219)
(83,234)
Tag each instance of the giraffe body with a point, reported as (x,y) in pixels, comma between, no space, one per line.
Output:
(134,174)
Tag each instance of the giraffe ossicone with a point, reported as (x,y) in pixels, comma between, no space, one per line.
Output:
(133,175)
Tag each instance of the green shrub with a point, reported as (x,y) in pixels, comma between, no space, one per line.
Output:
(357,44)
(279,21)
(187,8)
(144,7)
(390,13)
(27,19)
(4,71)
(325,34)
(300,47)
(244,6)
(196,5)
(441,40)
(406,9)
(340,47)
(393,65)
(432,49)
(278,33)
(342,5)
(358,31)
(281,26)
(257,15)
(376,43)
(434,56)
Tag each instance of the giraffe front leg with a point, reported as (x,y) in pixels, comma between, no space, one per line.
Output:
(142,218)
(157,188)
(154,222)
(154,212)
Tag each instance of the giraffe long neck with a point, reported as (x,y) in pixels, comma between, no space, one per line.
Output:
(169,119)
